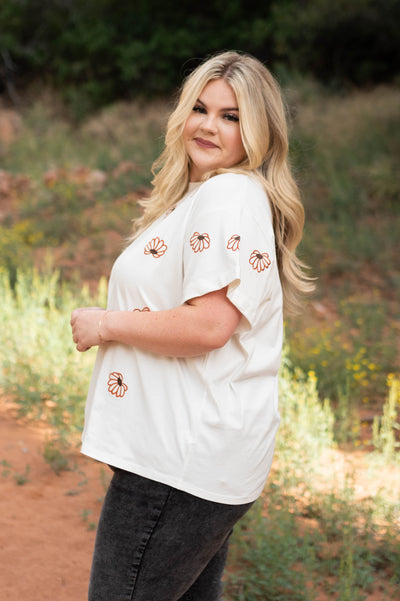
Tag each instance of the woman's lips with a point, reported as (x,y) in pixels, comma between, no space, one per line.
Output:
(205,143)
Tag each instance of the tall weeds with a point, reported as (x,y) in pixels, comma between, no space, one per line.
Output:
(41,369)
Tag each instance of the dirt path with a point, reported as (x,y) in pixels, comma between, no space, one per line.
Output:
(47,521)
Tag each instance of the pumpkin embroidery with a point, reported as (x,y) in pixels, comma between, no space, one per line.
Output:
(141,310)
(199,242)
(259,261)
(233,242)
(156,248)
(116,385)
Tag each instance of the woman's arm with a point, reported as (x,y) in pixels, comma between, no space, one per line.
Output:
(202,324)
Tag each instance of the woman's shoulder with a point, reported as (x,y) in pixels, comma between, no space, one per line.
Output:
(230,185)
(232,181)
(237,195)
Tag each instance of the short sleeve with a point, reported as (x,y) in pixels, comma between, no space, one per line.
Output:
(229,242)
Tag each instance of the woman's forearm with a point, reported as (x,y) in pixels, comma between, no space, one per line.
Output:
(194,328)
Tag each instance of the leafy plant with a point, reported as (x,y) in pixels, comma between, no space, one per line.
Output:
(22,478)
(54,454)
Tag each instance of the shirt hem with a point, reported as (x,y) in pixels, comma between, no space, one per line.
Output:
(177,483)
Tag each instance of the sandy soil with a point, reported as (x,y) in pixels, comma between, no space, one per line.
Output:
(47,520)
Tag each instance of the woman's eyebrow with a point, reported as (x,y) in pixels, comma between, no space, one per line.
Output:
(223,109)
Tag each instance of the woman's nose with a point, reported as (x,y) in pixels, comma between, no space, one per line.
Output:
(209,123)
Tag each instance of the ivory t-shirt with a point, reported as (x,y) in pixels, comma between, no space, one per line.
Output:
(204,424)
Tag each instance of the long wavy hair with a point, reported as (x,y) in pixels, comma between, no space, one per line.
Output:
(264,134)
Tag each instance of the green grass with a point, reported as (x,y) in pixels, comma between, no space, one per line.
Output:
(49,140)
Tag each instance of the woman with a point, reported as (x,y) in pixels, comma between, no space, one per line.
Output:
(183,402)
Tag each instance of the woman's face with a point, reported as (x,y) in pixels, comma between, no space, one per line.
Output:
(211,135)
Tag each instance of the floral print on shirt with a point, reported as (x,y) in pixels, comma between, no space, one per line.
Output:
(155,247)
(233,242)
(259,261)
(169,211)
(199,242)
(116,385)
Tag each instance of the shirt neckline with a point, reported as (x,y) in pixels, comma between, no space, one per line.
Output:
(193,186)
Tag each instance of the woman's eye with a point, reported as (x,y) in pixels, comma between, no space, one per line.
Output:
(199,109)
(231,117)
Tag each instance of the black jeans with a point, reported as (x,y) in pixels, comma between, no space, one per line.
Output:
(157,543)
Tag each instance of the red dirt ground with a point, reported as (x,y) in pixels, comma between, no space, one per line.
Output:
(46,539)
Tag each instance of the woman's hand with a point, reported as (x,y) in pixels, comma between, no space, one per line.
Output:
(85,327)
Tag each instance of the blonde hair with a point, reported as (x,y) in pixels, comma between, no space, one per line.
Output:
(265,139)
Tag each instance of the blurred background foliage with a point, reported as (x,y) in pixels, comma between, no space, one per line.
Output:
(100,50)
